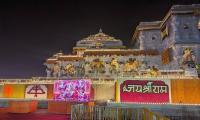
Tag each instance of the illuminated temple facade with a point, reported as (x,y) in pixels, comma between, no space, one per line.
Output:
(169,47)
(101,55)
(161,65)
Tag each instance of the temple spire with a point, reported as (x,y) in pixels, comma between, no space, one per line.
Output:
(100,30)
(60,51)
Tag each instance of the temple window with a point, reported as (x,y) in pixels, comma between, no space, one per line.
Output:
(153,38)
(185,26)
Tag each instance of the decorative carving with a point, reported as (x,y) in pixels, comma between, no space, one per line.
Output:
(56,70)
(188,58)
(70,69)
(97,66)
(132,65)
(196,12)
(153,71)
(114,66)
(197,66)
(98,45)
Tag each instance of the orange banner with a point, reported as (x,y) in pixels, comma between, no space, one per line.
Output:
(185,91)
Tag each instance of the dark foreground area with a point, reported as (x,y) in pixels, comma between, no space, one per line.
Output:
(41,114)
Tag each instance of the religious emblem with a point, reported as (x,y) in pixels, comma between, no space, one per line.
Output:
(36,91)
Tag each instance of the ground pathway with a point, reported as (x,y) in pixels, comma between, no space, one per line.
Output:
(41,114)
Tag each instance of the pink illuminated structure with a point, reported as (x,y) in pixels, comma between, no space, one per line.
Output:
(72,90)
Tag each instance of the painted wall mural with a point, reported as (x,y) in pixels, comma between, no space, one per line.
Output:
(72,90)
(144,91)
(36,92)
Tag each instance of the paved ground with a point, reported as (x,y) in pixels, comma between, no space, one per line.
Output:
(38,115)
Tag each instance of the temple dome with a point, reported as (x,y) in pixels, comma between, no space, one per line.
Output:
(99,39)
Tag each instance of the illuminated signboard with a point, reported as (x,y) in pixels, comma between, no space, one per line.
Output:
(144,91)
(72,90)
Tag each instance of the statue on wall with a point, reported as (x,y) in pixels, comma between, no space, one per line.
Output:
(114,66)
(56,70)
(132,65)
(81,69)
(87,68)
(70,69)
(153,71)
(188,58)
(97,66)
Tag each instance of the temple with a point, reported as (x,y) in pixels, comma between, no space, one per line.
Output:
(102,56)
(158,48)
(161,66)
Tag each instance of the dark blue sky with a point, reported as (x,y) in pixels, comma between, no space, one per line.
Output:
(32,31)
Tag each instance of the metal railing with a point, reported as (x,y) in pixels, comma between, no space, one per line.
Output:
(83,112)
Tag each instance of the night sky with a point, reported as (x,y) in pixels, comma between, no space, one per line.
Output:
(32,31)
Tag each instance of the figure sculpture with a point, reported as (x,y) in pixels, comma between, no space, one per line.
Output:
(188,58)
(114,66)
